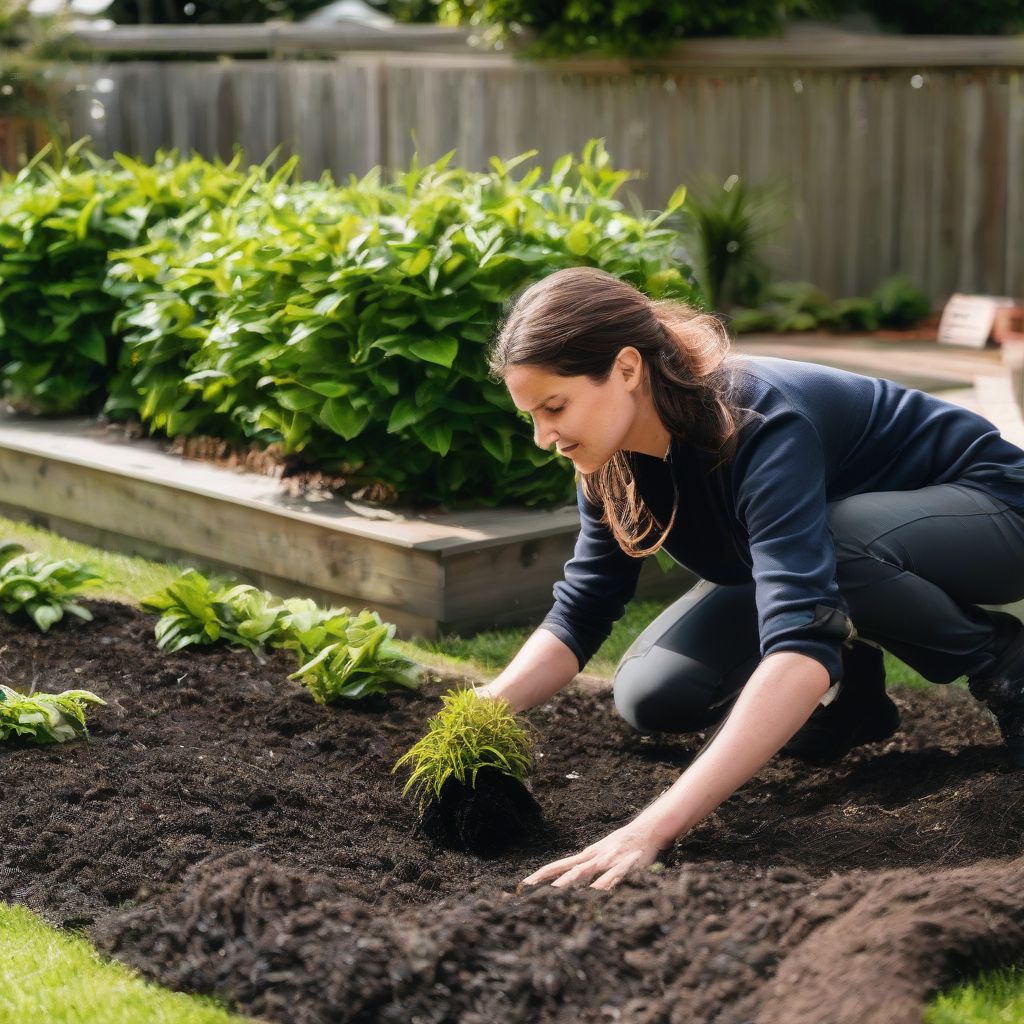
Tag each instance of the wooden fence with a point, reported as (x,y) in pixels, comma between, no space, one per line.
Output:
(892,167)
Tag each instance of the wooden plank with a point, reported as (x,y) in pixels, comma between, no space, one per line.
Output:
(536,566)
(912,187)
(988,242)
(968,199)
(211,528)
(843,50)
(937,282)
(1014,243)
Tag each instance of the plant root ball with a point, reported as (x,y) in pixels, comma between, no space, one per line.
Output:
(497,814)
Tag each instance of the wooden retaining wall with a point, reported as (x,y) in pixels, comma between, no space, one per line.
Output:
(428,574)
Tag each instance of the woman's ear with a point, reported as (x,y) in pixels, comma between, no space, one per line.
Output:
(631,365)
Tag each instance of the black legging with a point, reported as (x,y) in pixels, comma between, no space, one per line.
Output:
(913,566)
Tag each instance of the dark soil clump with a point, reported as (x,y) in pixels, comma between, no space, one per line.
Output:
(226,834)
(495,814)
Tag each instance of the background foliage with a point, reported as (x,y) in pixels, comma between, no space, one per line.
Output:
(347,324)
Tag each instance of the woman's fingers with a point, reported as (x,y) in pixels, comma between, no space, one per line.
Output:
(615,874)
(554,869)
(581,873)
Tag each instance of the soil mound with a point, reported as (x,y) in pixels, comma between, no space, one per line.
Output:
(494,814)
(211,778)
(908,936)
(702,946)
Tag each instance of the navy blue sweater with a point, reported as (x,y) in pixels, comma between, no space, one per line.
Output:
(813,435)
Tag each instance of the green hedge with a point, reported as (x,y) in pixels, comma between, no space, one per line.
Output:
(622,28)
(345,323)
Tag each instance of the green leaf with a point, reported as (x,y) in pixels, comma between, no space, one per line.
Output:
(403,414)
(343,419)
(441,349)
(436,436)
(577,239)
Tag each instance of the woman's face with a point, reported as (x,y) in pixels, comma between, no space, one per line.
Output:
(586,421)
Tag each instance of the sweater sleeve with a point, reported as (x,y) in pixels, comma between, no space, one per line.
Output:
(779,486)
(598,582)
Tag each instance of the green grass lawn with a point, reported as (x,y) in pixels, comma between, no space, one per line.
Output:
(996,998)
(52,977)
(48,976)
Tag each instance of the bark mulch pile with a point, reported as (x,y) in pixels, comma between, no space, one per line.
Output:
(224,834)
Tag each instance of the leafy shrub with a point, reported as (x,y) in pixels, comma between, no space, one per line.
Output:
(733,221)
(346,324)
(639,27)
(197,610)
(900,303)
(852,315)
(44,717)
(42,589)
(468,734)
(351,322)
(800,306)
(59,218)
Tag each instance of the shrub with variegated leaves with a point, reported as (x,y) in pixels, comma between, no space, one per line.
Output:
(43,588)
(44,717)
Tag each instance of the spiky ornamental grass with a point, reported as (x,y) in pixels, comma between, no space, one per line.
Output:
(468,734)
(44,717)
(41,588)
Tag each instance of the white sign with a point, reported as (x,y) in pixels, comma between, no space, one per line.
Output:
(967,319)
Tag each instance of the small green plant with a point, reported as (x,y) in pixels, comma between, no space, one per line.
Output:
(900,303)
(469,733)
(468,774)
(340,656)
(361,661)
(42,588)
(733,221)
(197,610)
(800,306)
(44,717)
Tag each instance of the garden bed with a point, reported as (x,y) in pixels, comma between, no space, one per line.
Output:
(225,834)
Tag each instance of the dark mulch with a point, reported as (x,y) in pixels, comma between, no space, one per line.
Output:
(224,833)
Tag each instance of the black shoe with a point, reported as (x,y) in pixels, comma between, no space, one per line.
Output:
(861,713)
(1001,688)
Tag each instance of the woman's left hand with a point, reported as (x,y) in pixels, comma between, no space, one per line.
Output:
(630,848)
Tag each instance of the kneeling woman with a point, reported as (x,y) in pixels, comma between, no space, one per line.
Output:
(830,516)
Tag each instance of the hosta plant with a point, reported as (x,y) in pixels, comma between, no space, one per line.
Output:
(355,658)
(198,610)
(44,717)
(42,588)
(468,774)
(339,656)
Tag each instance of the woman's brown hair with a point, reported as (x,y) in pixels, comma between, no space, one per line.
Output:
(575,322)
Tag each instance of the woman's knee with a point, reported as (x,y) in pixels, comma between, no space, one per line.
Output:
(663,691)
